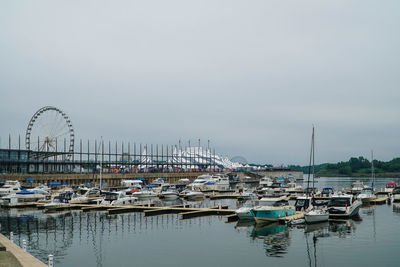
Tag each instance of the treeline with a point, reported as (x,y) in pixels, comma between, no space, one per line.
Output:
(354,166)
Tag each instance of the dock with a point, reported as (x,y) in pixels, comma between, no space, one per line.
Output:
(224,196)
(185,211)
(298,215)
(13,256)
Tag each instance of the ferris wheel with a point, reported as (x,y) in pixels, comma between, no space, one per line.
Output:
(50,130)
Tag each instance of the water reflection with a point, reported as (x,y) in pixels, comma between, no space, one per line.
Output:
(396,208)
(58,233)
(275,238)
(342,228)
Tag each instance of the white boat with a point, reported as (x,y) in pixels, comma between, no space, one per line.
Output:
(194,195)
(118,198)
(21,197)
(303,203)
(265,181)
(132,183)
(390,186)
(366,195)
(316,215)
(357,187)
(58,201)
(200,181)
(170,194)
(86,196)
(244,213)
(144,194)
(10,187)
(343,205)
(396,194)
(248,195)
(220,182)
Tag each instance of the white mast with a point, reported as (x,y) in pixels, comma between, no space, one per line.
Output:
(372,169)
(101,160)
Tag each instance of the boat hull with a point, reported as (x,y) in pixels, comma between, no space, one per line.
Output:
(316,218)
(396,198)
(195,197)
(345,212)
(170,196)
(273,213)
(245,214)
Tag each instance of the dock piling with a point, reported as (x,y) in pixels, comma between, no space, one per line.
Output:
(12,237)
(24,245)
(51,260)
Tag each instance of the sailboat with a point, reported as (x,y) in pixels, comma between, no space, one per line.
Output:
(314,214)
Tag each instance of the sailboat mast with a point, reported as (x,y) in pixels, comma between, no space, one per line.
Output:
(372,169)
(101,160)
(309,165)
(313,157)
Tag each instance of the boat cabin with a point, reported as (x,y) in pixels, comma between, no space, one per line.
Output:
(391,185)
(341,201)
(303,203)
(273,202)
(327,192)
(111,196)
(396,190)
(131,183)
(276,185)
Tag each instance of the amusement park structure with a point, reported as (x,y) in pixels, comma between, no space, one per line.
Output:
(50,147)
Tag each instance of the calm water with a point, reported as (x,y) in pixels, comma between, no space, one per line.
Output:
(95,239)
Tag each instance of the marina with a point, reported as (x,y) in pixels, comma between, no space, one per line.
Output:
(114,229)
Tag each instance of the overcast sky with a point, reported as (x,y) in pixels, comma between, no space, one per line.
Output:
(251,76)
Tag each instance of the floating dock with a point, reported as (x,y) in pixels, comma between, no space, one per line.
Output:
(297,216)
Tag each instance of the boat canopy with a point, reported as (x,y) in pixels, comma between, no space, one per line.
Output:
(396,190)
(391,185)
(25,192)
(53,184)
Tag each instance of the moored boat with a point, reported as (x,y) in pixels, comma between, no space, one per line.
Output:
(356,187)
(169,194)
(144,194)
(316,215)
(390,186)
(366,195)
(272,209)
(118,198)
(396,194)
(343,205)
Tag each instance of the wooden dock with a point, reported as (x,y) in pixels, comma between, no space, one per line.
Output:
(227,196)
(20,205)
(298,215)
(185,211)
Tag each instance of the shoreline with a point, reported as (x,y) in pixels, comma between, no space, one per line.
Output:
(387,175)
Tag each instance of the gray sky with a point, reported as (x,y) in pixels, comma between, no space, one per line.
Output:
(252,76)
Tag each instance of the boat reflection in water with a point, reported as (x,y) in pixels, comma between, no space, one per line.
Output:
(275,236)
(396,207)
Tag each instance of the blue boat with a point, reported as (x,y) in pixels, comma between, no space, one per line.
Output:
(274,213)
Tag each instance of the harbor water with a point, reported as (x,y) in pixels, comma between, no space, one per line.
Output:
(78,238)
